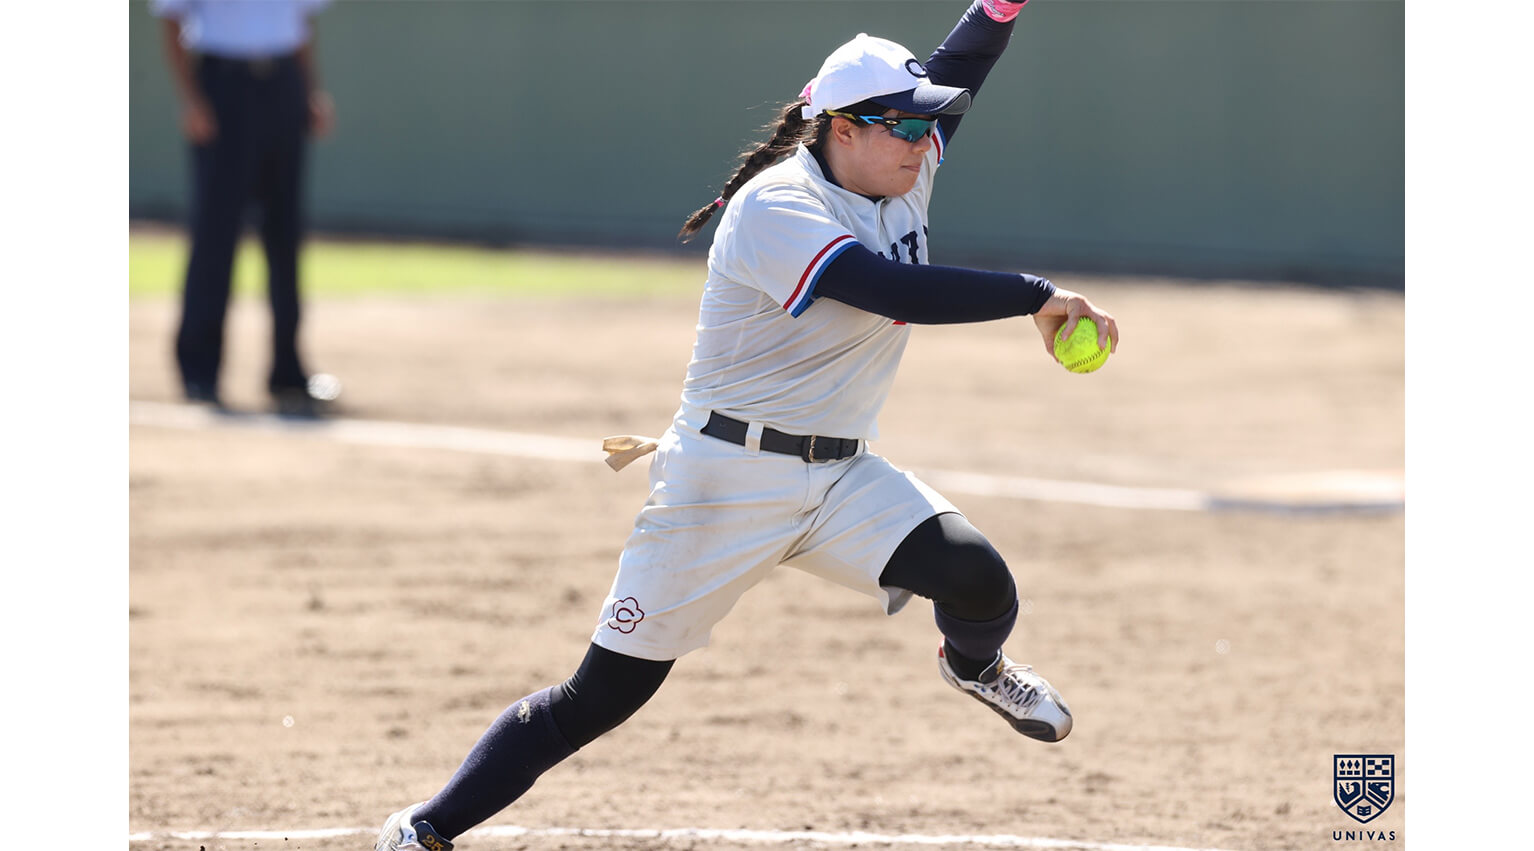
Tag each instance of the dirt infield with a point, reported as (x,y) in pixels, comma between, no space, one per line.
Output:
(319,630)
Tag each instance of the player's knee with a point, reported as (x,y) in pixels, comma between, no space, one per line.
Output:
(604,692)
(947,560)
(976,582)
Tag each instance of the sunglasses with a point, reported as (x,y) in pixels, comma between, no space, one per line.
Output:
(909,129)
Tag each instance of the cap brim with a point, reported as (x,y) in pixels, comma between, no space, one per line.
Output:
(928,100)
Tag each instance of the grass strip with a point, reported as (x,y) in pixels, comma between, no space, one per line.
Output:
(157,263)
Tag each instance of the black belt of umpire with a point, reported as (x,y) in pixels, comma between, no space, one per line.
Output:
(262,66)
(811,448)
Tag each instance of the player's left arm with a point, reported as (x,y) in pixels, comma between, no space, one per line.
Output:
(940,295)
(929,295)
(966,56)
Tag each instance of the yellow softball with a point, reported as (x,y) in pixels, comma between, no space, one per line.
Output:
(1080,353)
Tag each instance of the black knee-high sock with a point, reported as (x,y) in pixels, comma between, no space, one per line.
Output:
(522,744)
(972,645)
(535,733)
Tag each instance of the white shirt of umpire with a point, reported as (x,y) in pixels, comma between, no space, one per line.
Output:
(767,350)
(241,29)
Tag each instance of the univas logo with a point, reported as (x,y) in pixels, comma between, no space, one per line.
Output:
(1364,785)
(626,615)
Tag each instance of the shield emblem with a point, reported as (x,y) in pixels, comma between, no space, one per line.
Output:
(1364,785)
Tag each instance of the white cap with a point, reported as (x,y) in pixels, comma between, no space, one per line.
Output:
(877,69)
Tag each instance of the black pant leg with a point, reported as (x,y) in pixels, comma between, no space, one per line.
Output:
(222,174)
(281,196)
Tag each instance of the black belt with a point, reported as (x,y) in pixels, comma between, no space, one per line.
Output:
(262,66)
(811,448)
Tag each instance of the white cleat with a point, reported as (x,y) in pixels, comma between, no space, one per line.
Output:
(403,833)
(1026,700)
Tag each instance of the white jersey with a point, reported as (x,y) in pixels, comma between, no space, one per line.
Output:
(767,351)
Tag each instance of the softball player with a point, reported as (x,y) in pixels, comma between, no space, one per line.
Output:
(818,268)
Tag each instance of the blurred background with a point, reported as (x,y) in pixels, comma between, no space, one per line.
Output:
(1250,139)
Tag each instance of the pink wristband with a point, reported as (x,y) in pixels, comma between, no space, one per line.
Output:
(1002,11)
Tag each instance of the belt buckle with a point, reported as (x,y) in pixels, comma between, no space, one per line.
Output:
(808,454)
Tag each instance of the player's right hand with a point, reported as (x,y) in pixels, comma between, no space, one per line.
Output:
(1066,308)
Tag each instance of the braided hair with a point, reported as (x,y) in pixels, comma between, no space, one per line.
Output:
(790,129)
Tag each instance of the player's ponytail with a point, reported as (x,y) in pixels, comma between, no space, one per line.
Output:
(788,131)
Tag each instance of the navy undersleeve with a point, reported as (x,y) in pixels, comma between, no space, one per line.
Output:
(966,57)
(929,295)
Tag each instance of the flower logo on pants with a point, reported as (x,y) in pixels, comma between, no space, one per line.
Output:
(626,615)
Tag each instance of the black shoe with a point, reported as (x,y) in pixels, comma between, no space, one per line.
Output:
(313,400)
(202,394)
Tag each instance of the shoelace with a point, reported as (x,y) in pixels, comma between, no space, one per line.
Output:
(1014,689)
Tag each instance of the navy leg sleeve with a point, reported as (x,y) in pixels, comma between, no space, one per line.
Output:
(522,744)
(976,640)
(606,689)
(536,733)
(951,563)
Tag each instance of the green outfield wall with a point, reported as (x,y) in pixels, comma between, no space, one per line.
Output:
(1218,138)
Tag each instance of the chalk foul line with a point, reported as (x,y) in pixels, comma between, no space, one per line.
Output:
(687,835)
(1328,492)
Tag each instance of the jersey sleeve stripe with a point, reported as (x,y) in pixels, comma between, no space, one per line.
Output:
(804,294)
(939,142)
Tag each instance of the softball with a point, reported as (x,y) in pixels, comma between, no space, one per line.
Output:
(1080,353)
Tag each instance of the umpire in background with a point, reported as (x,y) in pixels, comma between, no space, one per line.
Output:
(247,80)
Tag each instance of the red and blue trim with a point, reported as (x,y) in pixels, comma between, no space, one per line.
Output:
(804,293)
